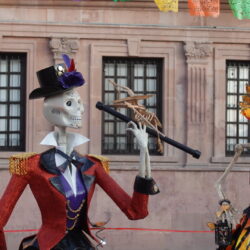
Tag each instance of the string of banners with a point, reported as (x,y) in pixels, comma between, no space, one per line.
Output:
(240,8)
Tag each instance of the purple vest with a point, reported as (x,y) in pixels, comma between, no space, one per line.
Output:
(74,203)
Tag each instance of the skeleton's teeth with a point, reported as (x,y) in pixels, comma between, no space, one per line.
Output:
(75,118)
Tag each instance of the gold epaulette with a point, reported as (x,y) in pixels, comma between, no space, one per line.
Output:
(104,161)
(19,163)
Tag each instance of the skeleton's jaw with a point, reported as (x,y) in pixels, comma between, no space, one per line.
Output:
(75,121)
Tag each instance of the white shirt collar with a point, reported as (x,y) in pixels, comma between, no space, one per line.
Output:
(73,139)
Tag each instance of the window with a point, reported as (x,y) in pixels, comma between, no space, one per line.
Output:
(143,76)
(12,101)
(237,126)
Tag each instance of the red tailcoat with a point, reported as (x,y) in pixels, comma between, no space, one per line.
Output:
(45,185)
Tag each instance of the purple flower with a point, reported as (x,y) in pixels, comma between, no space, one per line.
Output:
(71,79)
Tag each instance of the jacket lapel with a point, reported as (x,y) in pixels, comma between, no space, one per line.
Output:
(56,182)
(48,163)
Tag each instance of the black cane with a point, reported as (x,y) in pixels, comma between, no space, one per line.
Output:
(195,153)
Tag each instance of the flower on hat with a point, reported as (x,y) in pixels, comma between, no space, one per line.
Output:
(71,78)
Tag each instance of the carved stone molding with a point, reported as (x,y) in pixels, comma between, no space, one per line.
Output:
(134,47)
(197,95)
(198,50)
(61,46)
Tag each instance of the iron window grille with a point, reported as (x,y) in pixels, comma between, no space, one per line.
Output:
(237,126)
(143,76)
(12,101)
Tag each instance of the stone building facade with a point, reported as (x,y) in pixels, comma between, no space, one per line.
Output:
(196,55)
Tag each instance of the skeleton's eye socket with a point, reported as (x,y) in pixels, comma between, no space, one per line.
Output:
(68,103)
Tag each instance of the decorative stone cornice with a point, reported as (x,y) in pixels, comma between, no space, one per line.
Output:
(198,50)
(61,46)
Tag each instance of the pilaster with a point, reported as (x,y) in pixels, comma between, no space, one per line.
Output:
(199,97)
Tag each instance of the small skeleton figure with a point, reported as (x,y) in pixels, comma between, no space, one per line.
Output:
(226,212)
(226,216)
(239,236)
(223,225)
(140,113)
(228,233)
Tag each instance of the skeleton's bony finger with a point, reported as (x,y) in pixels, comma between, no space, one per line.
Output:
(140,126)
(131,125)
(144,127)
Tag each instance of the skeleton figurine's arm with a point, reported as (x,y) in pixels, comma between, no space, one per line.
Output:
(142,140)
(219,183)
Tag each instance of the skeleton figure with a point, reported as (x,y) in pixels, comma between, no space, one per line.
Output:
(61,179)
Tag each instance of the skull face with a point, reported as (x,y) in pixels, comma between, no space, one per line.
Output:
(64,110)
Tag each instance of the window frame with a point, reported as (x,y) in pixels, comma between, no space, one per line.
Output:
(172,124)
(130,61)
(22,102)
(238,94)
(224,52)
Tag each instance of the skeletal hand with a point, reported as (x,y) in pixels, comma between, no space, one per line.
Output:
(140,134)
(142,139)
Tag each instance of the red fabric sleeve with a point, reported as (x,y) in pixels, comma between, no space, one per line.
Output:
(8,201)
(2,241)
(134,207)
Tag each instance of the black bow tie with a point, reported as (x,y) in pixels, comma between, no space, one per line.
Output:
(69,159)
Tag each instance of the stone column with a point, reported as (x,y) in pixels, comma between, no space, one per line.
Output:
(61,46)
(199,111)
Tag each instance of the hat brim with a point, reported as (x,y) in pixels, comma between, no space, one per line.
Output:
(46,92)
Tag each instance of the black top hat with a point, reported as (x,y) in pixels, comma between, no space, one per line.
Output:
(55,80)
